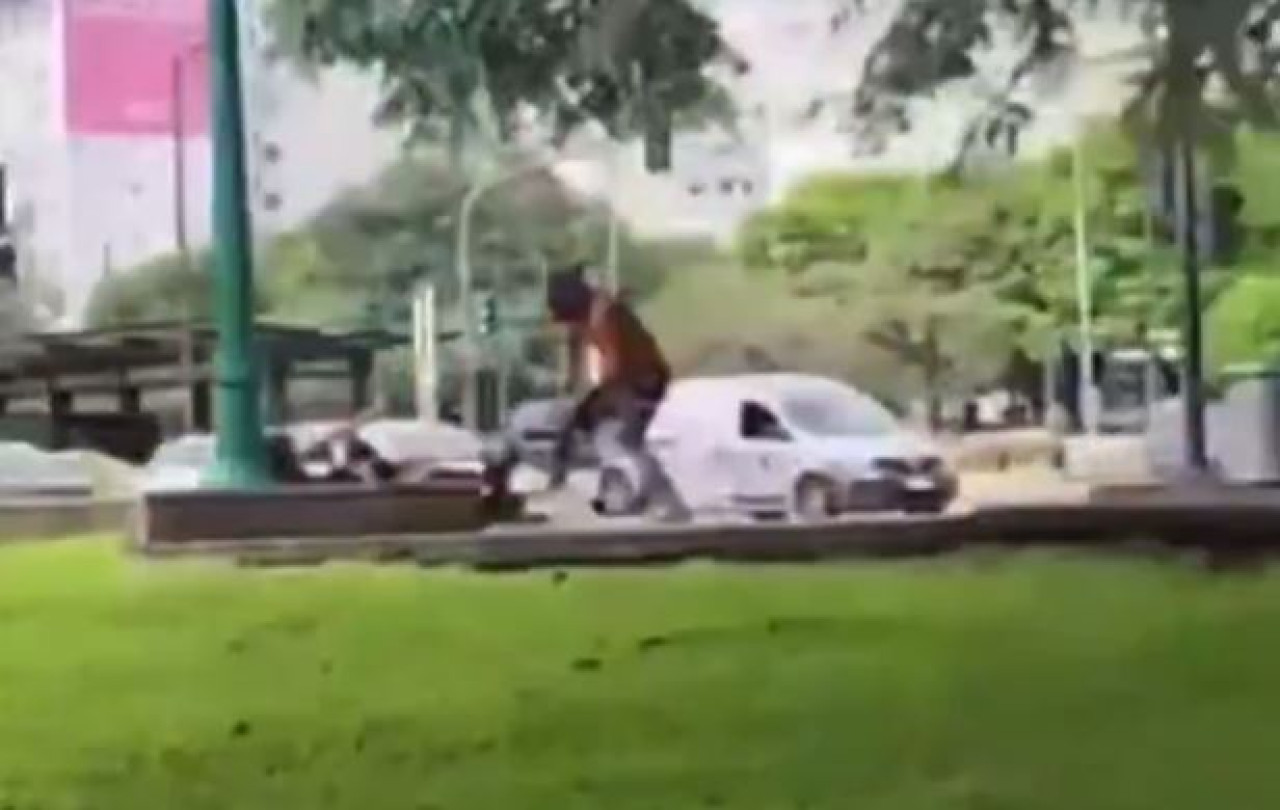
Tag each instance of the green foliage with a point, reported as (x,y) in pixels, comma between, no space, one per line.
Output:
(356,264)
(358,260)
(16,316)
(963,277)
(1204,66)
(1244,323)
(455,70)
(828,218)
(1023,682)
(165,289)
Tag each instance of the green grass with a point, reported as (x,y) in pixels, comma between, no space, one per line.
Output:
(1032,683)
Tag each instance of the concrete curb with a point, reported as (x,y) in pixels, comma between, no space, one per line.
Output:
(55,518)
(1218,529)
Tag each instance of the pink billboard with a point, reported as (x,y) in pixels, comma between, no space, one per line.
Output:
(131,63)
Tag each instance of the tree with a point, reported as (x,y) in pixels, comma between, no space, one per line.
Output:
(29,306)
(904,264)
(986,260)
(163,289)
(356,264)
(458,71)
(1244,322)
(1205,66)
(828,218)
(925,295)
(16,316)
(401,229)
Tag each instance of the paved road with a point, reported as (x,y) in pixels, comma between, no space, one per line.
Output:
(570,507)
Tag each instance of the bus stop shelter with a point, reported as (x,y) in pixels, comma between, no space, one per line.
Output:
(66,370)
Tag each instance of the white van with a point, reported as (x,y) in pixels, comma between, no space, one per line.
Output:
(772,445)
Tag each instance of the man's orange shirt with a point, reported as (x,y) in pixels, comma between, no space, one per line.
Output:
(625,352)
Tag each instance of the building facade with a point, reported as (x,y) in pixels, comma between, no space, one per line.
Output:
(108,168)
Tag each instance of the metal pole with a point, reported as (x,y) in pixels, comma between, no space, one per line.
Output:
(503,394)
(426,364)
(181,244)
(1195,445)
(1087,395)
(466,298)
(241,460)
(466,294)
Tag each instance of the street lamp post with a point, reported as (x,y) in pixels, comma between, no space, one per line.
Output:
(178,69)
(464,275)
(179,164)
(1196,449)
(1087,395)
(241,457)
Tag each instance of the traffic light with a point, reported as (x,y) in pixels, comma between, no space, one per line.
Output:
(1225,228)
(488,314)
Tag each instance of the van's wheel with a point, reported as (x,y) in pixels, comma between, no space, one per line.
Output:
(815,499)
(616,496)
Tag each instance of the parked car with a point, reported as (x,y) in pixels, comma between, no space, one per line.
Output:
(432,451)
(533,429)
(29,471)
(437,450)
(774,445)
(179,464)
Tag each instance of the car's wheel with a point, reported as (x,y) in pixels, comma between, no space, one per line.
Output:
(815,499)
(616,495)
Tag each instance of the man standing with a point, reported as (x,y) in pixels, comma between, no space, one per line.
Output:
(627,378)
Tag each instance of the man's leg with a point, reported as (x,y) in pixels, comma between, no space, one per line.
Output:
(584,419)
(656,488)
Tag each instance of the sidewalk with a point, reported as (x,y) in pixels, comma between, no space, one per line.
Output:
(1025,485)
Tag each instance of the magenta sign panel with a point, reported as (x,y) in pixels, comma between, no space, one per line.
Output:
(128,62)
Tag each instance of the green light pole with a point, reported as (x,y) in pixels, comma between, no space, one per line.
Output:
(241,461)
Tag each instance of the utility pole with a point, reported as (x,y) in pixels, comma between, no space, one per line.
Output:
(241,460)
(425,353)
(1195,444)
(181,243)
(1087,394)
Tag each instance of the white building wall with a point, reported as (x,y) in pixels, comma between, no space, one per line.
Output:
(94,204)
(31,143)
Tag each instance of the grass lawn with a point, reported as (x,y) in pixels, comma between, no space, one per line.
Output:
(1028,683)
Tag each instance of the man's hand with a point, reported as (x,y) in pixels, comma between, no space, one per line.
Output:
(561,456)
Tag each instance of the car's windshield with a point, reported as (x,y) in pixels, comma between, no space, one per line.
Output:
(836,412)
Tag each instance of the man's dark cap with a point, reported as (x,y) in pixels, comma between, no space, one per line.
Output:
(569,294)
